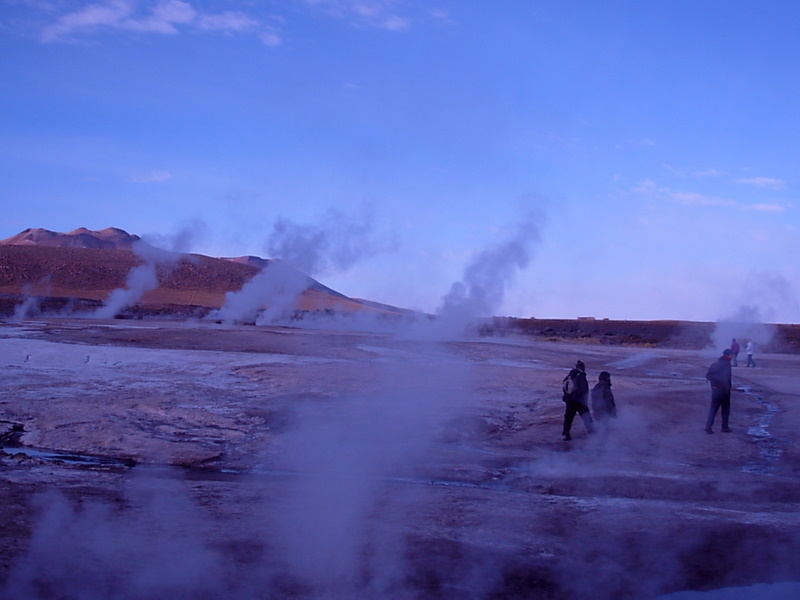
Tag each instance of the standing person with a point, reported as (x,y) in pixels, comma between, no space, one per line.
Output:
(603,405)
(735,353)
(749,351)
(719,376)
(576,397)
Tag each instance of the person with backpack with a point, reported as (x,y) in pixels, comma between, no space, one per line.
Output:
(576,397)
(719,376)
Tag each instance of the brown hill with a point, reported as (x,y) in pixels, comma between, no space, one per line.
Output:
(110,238)
(85,266)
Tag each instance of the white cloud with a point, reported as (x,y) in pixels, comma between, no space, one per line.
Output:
(88,19)
(173,17)
(166,17)
(394,23)
(695,199)
(648,186)
(163,19)
(151,177)
(269,37)
(764,182)
(694,173)
(651,189)
(766,207)
(639,143)
(373,13)
(228,21)
(174,11)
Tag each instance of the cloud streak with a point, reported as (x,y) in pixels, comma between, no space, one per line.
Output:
(695,199)
(382,14)
(166,17)
(651,189)
(764,182)
(173,17)
(766,207)
(152,177)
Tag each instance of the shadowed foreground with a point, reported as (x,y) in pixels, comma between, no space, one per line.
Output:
(199,461)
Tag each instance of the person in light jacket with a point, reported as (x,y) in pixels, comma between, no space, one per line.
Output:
(748,349)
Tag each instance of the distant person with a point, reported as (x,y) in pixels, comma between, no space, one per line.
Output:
(749,351)
(603,405)
(719,376)
(576,397)
(735,353)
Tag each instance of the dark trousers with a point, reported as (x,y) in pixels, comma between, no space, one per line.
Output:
(750,361)
(577,408)
(720,399)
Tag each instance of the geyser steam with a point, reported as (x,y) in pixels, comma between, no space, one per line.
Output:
(336,244)
(482,289)
(758,304)
(144,277)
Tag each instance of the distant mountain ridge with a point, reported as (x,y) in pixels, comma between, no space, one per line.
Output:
(110,238)
(87,264)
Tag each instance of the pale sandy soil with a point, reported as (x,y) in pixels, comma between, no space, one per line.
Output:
(278,463)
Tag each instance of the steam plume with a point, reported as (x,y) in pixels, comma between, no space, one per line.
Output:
(27,308)
(344,453)
(336,244)
(144,277)
(761,301)
(157,550)
(482,290)
(141,279)
(278,284)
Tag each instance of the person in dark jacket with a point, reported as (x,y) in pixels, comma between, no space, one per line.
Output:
(603,406)
(719,376)
(576,397)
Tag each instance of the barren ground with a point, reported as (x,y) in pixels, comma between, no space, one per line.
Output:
(208,462)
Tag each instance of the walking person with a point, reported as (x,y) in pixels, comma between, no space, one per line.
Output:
(603,405)
(719,376)
(748,349)
(576,398)
(735,348)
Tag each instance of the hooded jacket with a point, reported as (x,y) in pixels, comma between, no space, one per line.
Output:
(603,399)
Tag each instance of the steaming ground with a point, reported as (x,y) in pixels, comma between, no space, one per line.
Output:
(278,463)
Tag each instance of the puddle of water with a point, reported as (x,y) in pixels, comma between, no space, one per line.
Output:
(770,449)
(69,458)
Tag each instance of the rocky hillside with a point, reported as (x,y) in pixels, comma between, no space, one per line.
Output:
(83,267)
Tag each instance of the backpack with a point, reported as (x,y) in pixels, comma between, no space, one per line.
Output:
(570,384)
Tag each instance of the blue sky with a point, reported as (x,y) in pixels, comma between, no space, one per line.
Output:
(653,144)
